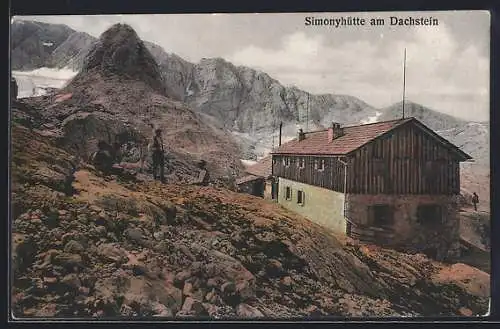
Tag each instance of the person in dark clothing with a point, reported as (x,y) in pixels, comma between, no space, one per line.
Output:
(158,156)
(102,159)
(475,200)
(13,88)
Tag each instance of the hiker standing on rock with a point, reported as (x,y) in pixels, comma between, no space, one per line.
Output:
(475,200)
(158,155)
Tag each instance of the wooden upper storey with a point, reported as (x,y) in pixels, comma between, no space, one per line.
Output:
(393,157)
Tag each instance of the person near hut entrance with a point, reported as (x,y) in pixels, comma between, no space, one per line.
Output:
(158,155)
(475,200)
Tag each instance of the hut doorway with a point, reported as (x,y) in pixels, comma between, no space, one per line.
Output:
(258,188)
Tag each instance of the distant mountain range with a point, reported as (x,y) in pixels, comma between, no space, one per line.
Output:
(247,102)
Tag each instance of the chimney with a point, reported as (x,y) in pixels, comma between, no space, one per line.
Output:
(335,131)
(302,135)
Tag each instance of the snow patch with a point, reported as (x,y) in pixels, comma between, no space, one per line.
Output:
(371,119)
(189,92)
(34,83)
(49,73)
(248,162)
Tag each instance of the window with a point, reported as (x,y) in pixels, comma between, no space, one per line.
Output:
(286,162)
(429,215)
(300,197)
(319,164)
(301,163)
(381,215)
(288,193)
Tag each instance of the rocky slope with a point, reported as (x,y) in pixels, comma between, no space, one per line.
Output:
(471,137)
(72,52)
(433,119)
(90,246)
(32,43)
(117,95)
(247,100)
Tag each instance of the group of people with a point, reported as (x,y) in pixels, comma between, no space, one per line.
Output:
(106,156)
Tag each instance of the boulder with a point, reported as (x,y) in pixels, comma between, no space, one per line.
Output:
(73,247)
(69,261)
(110,252)
(192,306)
(247,311)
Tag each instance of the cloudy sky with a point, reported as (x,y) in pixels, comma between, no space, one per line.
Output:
(447,65)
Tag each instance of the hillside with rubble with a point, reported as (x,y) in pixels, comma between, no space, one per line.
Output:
(91,246)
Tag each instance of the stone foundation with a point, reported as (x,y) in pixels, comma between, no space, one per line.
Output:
(439,241)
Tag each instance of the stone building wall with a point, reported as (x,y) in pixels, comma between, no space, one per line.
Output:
(439,240)
(250,187)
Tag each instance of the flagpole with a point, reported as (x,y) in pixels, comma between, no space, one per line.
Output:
(404,83)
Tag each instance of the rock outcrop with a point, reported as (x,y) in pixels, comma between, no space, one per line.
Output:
(120,53)
(33,43)
(72,52)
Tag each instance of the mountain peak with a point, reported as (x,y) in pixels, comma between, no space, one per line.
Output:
(120,52)
(434,119)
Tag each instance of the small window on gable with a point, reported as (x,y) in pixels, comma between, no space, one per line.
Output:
(301,163)
(381,215)
(300,197)
(288,193)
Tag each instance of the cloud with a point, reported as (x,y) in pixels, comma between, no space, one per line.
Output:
(441,73)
